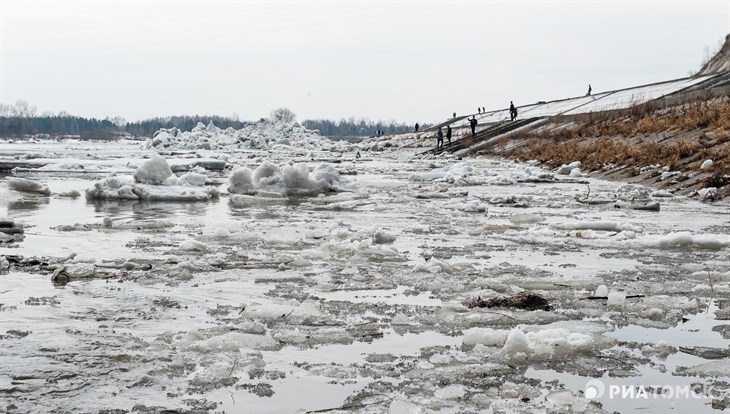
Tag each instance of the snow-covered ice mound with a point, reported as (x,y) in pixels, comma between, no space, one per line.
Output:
(544,343)
(467,173)
(369,245)
(292,180)
(460,173)
(153,181)
(263,134)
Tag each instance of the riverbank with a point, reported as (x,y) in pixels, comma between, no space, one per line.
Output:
(681,148)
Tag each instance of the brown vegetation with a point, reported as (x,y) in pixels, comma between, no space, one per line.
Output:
(681,137)
(643,119)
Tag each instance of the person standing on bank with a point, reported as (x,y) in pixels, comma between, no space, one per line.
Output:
(416,126)
(439,139)
(448,135)
(512,111)
(473,125)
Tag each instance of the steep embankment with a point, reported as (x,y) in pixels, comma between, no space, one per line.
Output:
(662,146)
(677,142)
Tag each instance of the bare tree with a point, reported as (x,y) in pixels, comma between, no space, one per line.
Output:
(117,120)
(6,110)
(283,114)
(709,53)
(23,109)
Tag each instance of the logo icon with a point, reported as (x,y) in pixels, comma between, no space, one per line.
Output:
(594,389)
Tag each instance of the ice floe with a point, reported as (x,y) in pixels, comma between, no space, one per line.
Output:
(153,181)
(292,180)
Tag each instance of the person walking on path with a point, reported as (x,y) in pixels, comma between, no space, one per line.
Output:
(448,135)
(473,125)
(439,139)
(416,126)
(589,90)
(512,111)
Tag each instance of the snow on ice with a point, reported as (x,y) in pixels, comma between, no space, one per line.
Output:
(292,180)
(263,134)
(153,181)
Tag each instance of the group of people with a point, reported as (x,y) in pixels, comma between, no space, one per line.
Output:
(472,124)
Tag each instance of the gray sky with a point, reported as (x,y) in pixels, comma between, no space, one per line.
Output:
(407,61)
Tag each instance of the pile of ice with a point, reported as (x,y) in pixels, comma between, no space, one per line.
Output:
(589,230)
(526,218)
(273,311)
(434,265)
(292,180)
(572,169)
(374,144)
(264,134)
(367,245)
(153,181)
(472,205)
(547,343)
(610,226)
(632,192)
(72,166)
(215,341)
(685,239)
(466,173)
(709,194)
(463,173)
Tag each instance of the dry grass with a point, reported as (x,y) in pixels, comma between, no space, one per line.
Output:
(643,119)
(595,153)
(638,136)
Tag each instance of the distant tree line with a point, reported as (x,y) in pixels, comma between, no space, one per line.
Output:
(57,124)
(357,127)
(22,118)
(185,123)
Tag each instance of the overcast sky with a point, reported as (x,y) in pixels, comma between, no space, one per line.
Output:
(408,61)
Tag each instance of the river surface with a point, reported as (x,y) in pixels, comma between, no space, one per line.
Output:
(362,300)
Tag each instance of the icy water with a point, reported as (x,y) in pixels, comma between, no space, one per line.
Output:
(359,300)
